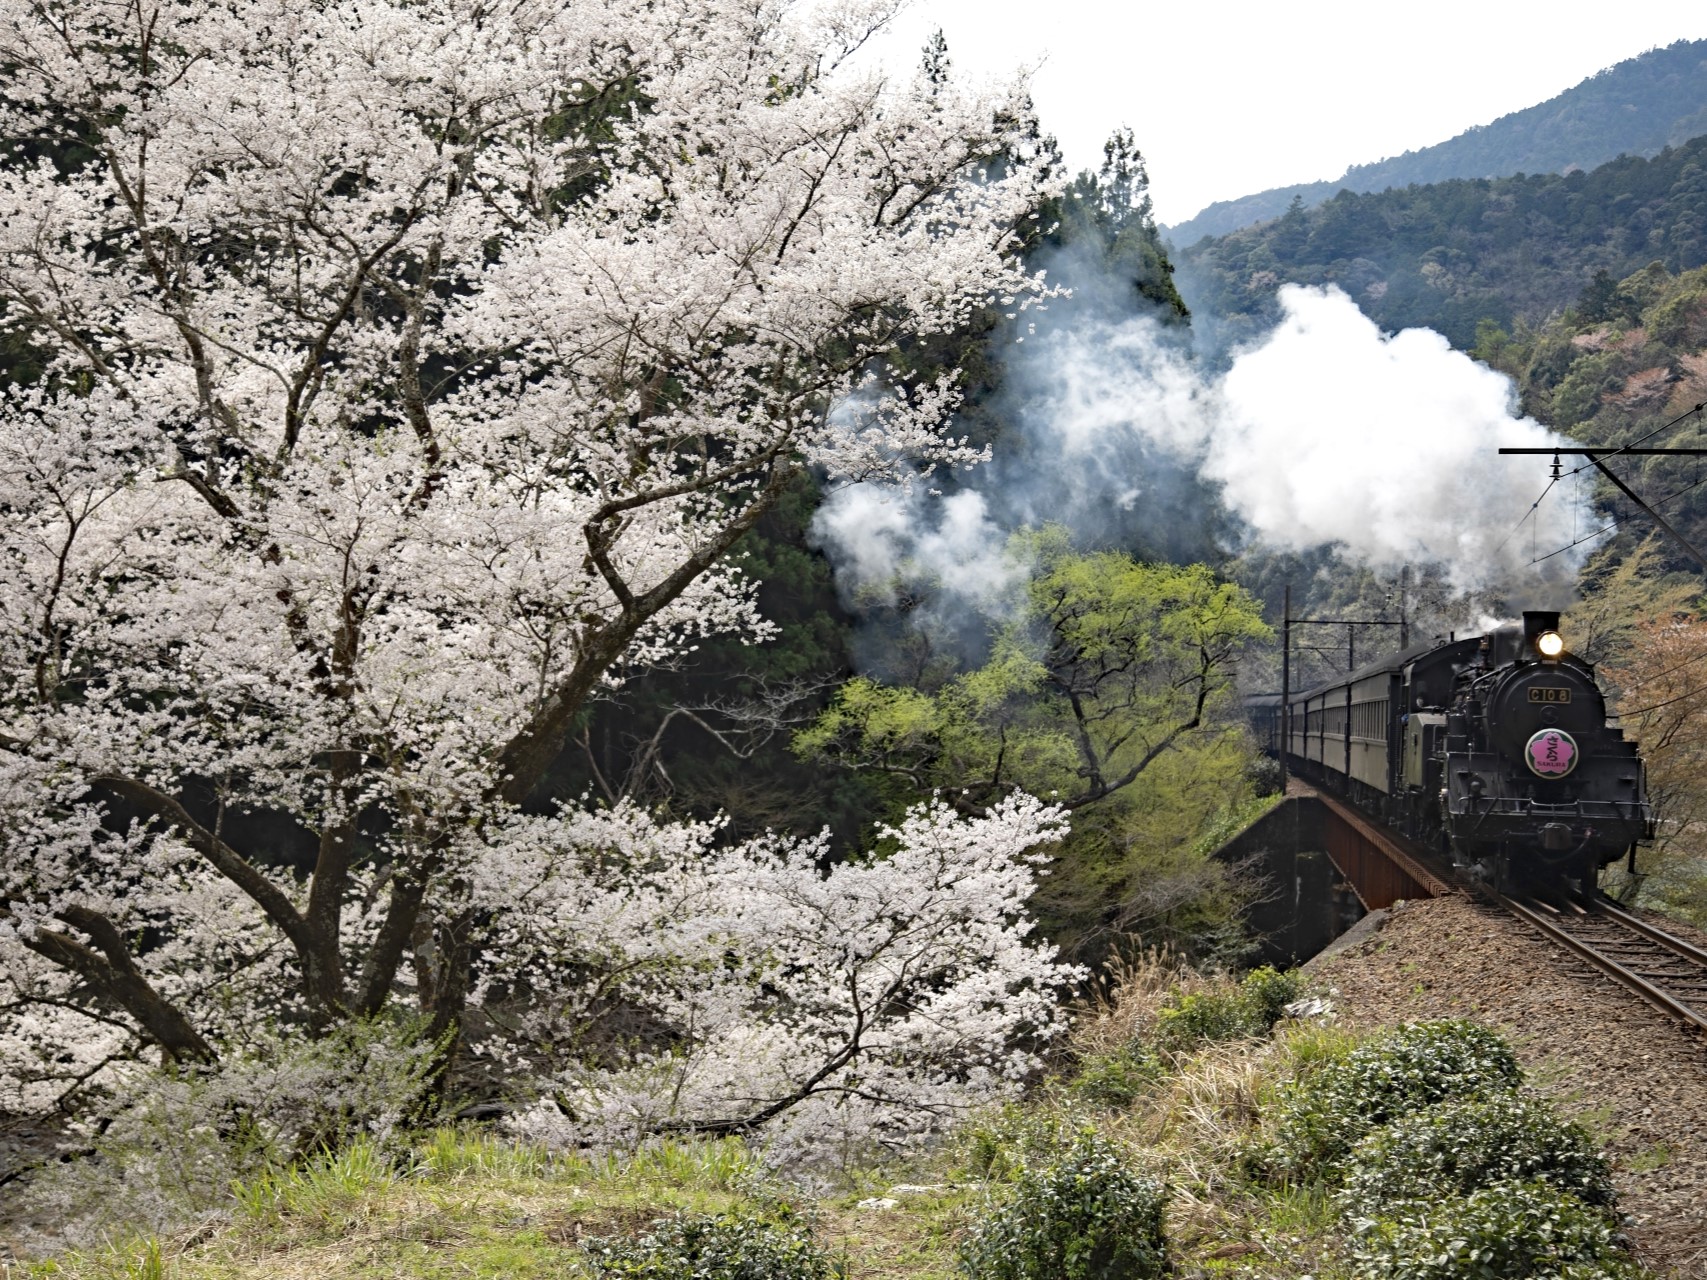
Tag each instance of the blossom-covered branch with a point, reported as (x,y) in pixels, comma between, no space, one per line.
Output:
(408,371)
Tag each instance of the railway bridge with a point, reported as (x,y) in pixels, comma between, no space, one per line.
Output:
(1328,865)
(1379,864)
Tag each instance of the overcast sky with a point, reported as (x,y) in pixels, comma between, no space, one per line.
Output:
(1230,98)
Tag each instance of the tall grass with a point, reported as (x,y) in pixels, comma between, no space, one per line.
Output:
(326,1192)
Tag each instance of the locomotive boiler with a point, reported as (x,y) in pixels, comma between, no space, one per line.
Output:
(1495,749)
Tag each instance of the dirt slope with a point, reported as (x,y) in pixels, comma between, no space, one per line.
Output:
(1638,1078)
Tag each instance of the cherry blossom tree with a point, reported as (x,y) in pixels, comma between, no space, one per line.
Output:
(869,1004)
(409,371)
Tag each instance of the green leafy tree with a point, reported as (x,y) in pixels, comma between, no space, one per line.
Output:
(1106,666)
(1109,689)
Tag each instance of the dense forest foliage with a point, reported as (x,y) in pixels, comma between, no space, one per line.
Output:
(1448,255)
(1637,107)
(1625,365)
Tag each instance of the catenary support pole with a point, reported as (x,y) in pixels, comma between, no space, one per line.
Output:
(1285,681)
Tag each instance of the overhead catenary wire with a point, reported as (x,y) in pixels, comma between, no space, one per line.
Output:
(1596,459)
(1696,692)
(1578,470)
(1533,507)
(1595,462)
(1660,675)
(1607,528)
(1625,448)
(1676,666)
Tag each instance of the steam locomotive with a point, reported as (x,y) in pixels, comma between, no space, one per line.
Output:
(1495,749)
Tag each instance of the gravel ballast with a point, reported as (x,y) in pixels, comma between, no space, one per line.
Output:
(1635,1076)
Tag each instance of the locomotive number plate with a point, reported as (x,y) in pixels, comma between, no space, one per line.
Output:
(1549,695)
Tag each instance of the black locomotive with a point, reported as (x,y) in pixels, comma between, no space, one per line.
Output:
(1495,749)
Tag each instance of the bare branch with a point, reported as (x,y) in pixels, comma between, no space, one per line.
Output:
(221,856)
(109,968)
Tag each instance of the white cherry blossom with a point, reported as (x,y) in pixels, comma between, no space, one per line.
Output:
(408,371)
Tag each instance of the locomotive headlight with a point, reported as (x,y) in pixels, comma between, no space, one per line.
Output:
(1550,643)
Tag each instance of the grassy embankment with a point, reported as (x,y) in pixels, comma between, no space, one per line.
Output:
(1179,1077)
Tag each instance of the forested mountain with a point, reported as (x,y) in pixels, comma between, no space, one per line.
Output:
(1637,107)
(1450,254)
(1625,365)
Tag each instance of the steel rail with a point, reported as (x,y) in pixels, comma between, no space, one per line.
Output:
(1416,862)
(1605,963)
(1677,946)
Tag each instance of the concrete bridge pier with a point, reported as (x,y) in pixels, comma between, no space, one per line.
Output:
(1326,865)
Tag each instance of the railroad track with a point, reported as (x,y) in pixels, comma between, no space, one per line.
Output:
(1663,969)
(1666,971)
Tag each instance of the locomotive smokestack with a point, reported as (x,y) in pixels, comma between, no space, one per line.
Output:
(1538,623)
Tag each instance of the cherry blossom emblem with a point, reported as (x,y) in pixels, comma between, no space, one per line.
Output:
(1552,753)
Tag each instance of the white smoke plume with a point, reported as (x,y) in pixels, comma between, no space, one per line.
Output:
(1326,431)
(1331,431)
(880,537)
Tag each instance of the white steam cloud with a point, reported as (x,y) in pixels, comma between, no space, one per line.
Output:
(1331,431)
(1326,431)
(879,537)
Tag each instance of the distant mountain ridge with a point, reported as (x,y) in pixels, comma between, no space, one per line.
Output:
(1449,255)
(1654,100)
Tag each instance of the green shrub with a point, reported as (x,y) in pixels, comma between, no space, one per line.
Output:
(1251,1009)
(1187,1021)
(1458,1147)
(1267,991)
(1116,1079)
(728,1246)
(999,1145)
(1508,1231)
(1331,1107)
(1085,1217)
